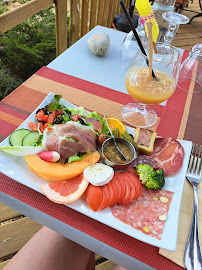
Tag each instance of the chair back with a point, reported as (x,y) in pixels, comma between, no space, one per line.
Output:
(86,14)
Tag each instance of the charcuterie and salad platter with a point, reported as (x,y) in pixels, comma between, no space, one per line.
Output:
(17,168)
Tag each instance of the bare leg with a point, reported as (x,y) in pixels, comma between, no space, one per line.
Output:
(48,250)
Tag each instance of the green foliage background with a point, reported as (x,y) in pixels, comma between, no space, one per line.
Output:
(26,48)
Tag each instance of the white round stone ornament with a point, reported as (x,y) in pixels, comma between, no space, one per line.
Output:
(99,43)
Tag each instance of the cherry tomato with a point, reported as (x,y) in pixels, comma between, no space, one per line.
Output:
(59,112)
(50,119)
(75,117)
(45,118)
(101,138)
(40,114)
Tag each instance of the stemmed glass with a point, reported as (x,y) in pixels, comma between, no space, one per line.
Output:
(174,20)
(190,76)
(148,90)
(130,47)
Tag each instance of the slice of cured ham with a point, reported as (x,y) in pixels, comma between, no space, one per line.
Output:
(169,153)
(70,138)
(143,159)
(146,214)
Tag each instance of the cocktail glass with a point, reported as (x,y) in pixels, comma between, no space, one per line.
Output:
(148,90)
(174,20)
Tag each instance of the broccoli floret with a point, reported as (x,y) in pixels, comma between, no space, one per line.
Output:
(150,178)
(155,180)
(143,171)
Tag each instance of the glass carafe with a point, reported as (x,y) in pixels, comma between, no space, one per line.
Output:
(159,7)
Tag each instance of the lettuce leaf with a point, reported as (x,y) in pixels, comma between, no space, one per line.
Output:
(55,104)
(95,115)
(75,157)
(77,110)
(70,139)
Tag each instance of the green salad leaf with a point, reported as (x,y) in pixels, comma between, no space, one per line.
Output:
(99,117)
(94,115)
(77,110)
(55,104)
(76,157)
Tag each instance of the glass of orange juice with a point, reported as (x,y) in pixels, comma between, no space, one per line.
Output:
(146,89)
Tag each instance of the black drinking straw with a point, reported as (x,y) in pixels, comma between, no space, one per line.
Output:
(135,33)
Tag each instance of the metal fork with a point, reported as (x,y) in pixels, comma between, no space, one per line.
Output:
(192,256)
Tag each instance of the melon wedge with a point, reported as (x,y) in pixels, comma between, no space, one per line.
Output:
(53,172)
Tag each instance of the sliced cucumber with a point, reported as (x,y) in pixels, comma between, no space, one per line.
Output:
(22,150)
(17,136)
(30,139)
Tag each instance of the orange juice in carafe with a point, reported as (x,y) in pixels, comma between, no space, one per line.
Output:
(146,89)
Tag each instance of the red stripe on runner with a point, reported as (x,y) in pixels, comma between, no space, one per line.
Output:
(7,129)
(120,241)
(91,88)
(13,112)
(171,118)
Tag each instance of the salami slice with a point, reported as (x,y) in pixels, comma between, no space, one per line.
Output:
(169,153)
(146,214)
(143,159)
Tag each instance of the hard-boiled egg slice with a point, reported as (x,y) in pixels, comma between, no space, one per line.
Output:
(98,174)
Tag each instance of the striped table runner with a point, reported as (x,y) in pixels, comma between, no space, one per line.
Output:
(177,119)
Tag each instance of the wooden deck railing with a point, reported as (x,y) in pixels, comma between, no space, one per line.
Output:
(20,14)
(84,15)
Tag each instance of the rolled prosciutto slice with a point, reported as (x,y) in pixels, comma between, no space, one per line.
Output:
(169,153)
(71,138)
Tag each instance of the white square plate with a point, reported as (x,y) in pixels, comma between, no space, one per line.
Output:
(17,169)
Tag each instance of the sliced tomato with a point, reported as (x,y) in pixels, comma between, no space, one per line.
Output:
(133,189)
(112,195)
(116,190)
(93,196)
(119,187)
(125,187)
(128,197)
(106,197)
(138,185)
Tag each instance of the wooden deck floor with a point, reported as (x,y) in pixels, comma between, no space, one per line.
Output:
(189,34)
(16,229)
